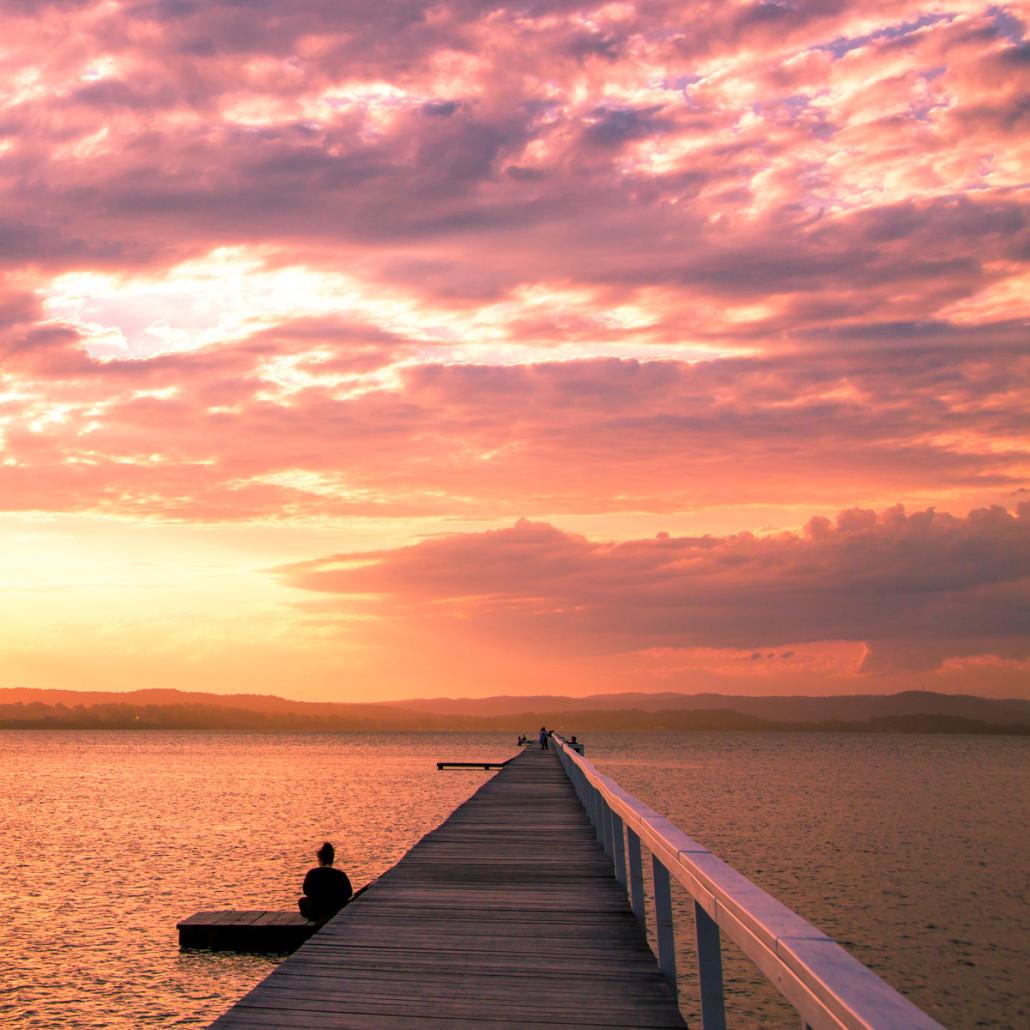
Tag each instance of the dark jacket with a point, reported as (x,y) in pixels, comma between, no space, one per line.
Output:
(327,890)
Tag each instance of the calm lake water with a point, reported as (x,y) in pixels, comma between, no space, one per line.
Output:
(910,850)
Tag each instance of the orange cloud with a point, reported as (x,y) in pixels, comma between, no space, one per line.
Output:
(916,589)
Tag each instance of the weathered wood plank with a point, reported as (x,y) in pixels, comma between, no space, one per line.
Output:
(282,1019)
(595,990)
(470,1009)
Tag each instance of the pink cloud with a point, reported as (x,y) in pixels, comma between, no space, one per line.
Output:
(576,260)
(916,588)
(210,432)
(507,152)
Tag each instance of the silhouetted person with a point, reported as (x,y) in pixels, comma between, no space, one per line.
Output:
(326,890)
(543,737)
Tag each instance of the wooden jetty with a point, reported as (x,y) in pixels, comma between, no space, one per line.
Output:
(506,915)
(514,913)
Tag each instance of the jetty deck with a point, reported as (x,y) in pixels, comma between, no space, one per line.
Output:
(506,915)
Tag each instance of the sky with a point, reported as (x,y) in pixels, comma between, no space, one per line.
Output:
(378,350)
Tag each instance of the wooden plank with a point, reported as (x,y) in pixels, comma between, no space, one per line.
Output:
(285,919)
(282,919)
(284,1019)
(471,1009)
(199,920)
(593,990)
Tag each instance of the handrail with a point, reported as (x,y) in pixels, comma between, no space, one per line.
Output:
(829,987)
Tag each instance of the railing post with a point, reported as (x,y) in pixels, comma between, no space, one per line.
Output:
(709,969)
(606,827)
(663,920)
(636,875)
(598,816)
(618,848)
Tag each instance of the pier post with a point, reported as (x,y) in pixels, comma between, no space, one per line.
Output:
(598,820)
(663,920)
(618,849)
(636,875)
(604,824)
(709,969)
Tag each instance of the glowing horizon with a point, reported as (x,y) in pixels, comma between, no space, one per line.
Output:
(611,344)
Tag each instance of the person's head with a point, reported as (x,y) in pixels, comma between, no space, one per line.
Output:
(326,854)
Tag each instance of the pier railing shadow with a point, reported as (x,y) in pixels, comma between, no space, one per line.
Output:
(827,986)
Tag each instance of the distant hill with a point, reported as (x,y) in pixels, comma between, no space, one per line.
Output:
(243,702)
(912,711)
(210,717)
(186,709)
(780,708)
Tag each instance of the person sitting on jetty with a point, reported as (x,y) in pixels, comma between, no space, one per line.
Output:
(326,890)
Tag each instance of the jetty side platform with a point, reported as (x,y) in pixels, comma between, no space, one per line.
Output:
(263,931)
(507,915)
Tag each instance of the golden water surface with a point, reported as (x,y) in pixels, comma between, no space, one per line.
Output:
(911,850)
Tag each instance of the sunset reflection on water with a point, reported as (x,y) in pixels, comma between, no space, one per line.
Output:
(901,847)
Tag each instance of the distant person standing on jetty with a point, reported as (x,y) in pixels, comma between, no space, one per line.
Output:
(326,890)
(543,737)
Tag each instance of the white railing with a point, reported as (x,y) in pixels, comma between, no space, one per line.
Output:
(828,987)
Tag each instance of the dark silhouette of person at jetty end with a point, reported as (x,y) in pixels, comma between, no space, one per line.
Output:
(326,890)
(543,737)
